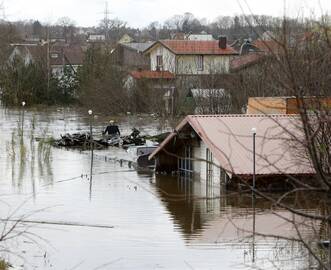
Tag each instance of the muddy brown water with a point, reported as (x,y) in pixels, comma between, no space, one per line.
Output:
(128,219)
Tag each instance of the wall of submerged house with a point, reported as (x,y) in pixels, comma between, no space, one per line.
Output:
(211,175)
(190,158)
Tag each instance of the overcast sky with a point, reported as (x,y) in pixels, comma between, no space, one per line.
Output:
(139,13)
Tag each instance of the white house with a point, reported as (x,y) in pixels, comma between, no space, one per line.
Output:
(192,57)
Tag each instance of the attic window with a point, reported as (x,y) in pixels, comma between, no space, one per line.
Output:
(54,55)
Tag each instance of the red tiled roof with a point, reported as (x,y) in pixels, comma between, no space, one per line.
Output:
(245,60)
(229,138)
(148,74)
(210,47)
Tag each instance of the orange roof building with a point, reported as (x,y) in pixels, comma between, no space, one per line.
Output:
(200,47)
(191,57)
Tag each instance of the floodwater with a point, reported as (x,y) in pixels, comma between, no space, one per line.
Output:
(125,219)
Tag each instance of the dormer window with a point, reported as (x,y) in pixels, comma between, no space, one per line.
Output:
(54,55)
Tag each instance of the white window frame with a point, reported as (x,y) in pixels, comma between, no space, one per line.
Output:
(209,165)
(185,163)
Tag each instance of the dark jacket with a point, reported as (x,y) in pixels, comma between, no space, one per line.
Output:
(112,130)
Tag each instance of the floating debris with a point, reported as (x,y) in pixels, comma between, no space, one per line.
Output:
(79,140)
(83,140)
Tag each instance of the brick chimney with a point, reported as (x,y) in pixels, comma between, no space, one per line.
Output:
(222,42)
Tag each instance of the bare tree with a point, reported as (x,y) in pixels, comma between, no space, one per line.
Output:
(68,26)
(298,66)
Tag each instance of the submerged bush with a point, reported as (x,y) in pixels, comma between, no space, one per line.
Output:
(29,82)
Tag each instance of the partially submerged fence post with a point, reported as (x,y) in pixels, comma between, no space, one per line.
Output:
(22,120)
(90,112)
(253,194)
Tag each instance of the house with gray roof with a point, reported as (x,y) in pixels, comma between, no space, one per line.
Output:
(129,56)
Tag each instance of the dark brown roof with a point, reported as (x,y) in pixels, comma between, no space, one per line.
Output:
(72,55)
(189,47)
(37,52)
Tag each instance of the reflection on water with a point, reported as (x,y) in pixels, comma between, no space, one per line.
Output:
(130,220)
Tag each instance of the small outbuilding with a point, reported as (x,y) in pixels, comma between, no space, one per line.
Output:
(219,148)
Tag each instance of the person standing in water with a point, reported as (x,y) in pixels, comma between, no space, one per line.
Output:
(112,130)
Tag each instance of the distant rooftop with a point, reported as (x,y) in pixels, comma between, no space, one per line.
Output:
(190,47)
(138,46)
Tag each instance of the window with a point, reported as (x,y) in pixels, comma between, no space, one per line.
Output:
(209,173)
(159,61)
(185,163)
(200,62)
(210,166)
(54,55)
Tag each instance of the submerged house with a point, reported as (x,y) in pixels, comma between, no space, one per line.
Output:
(218,149)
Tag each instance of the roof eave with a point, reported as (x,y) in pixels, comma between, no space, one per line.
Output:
(169,138)
(159,42)
(149,49)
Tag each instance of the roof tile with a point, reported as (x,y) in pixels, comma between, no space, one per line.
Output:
(210,47)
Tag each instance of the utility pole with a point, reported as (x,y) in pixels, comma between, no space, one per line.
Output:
(48,61)
(22,120)
(90,112)
(106,21)
(253,193)
(3,11)
(172,101)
